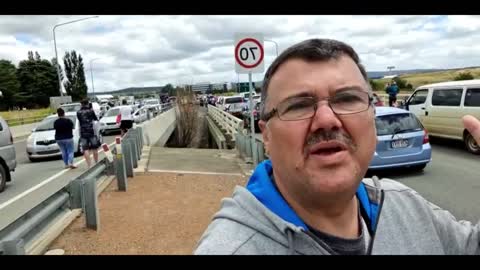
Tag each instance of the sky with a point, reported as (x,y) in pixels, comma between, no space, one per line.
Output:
(141,51)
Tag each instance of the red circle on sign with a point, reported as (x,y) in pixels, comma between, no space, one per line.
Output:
(238,47)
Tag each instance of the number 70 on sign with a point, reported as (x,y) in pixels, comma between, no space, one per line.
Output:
(249,53)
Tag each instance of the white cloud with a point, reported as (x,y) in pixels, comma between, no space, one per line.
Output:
(155,50)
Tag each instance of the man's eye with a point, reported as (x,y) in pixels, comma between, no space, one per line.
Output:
(347,98)
(298,105)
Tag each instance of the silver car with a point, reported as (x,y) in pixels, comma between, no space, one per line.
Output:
(42,144)
(8,161)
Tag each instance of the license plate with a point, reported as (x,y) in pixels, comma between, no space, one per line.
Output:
(399,143)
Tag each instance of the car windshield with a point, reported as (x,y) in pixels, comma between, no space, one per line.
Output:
(71,107)
(234,100)
(113,112)
(397,123)
(47,123)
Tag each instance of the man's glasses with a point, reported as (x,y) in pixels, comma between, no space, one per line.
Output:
(299,108)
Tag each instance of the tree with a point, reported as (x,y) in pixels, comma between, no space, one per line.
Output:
(463,76)
(38,82)
(9,84)
(75,83)
(168,89)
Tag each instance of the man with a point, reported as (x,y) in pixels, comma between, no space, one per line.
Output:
(126,118)
(392,91)
(88,140)
(317,123)
(64,136)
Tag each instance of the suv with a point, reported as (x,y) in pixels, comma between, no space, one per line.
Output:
(8,161)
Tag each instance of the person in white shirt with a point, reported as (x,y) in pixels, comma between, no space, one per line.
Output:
(126,118)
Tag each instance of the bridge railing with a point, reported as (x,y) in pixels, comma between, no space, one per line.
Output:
(30,222)
(231,124)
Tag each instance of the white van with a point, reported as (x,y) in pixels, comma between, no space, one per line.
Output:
(441,106)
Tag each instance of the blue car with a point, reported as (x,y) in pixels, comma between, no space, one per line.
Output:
(402,141)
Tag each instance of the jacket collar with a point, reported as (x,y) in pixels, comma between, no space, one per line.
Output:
(261,186)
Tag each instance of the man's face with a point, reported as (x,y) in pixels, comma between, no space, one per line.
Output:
(327,155)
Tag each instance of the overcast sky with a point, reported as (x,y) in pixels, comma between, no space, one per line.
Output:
(136,51)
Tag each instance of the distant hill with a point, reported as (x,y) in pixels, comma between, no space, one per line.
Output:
(414,76)
(433,76)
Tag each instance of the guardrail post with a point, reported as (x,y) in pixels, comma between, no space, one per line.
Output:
(14,247)
(261,151)
(75,189)
(134,150)
(137,143)
(127,151)
(91,204)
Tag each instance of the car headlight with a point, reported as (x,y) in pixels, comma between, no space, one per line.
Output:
(30,141)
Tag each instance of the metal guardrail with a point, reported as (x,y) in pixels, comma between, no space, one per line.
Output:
(27,222)
(231,124)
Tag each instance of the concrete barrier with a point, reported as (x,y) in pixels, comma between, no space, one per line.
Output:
(158,130)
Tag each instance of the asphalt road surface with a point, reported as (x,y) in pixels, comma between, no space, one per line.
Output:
(28,174)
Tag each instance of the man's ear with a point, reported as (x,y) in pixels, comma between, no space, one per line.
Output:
(265,134)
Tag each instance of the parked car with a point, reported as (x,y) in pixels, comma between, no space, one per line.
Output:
(71,107)
(41,143)
(140,115)
(8,161)
(234,105)
(109,123)
(441,106)
(153,105)
(402,141)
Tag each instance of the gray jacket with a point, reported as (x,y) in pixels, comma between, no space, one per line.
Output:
(406,224)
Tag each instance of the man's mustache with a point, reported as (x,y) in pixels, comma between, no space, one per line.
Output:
(322,135)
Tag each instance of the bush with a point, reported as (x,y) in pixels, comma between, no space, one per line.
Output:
(463,76)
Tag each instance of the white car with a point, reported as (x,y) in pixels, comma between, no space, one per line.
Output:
(140,115)
(108,123)
(41,143)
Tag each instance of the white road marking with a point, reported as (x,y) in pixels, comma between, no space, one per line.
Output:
(44,182)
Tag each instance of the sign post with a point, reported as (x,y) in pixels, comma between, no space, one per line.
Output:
(249,54)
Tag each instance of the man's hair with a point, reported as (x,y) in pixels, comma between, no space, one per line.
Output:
(311,50)
(60,112)
(84,102)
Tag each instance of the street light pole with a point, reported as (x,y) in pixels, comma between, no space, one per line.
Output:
(56,54)
(276,45)
(91,76)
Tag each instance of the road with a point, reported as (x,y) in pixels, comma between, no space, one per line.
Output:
(28,174)
(451,180)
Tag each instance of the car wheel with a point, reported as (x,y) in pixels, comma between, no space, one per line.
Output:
(3,177)
(471,144)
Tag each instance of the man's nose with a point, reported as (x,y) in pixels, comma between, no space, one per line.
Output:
(325,118)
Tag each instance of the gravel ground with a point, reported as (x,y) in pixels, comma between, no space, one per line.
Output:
(161,213)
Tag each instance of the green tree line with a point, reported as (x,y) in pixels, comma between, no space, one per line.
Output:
(35,80)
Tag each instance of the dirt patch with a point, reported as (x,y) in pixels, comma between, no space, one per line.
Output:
(161,213)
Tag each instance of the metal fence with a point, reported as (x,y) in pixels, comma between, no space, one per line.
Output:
(25,224)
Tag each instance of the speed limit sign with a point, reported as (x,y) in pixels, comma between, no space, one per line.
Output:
(249,53)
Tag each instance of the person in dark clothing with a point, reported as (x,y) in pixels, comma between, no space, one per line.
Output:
(88,139)
(392,91)
(64,137)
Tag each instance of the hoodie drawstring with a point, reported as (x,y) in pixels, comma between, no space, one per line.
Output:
(291,250)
